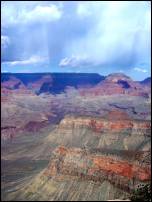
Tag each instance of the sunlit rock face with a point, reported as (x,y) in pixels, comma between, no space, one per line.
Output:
(114,123)
(118,76)
(73,138)
(87,84)
(83,174)
(118,84)
(83,163)
(105,131)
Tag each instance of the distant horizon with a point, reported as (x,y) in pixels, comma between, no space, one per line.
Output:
(73,73)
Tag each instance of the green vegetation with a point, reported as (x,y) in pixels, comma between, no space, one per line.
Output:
(142,193)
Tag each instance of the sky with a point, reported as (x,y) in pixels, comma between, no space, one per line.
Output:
(96,36)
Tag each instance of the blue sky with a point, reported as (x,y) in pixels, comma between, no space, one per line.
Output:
(102,37)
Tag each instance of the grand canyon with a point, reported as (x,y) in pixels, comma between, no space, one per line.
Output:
(75,101)
(74,136)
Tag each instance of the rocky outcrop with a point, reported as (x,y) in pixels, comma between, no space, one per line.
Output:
(115,121)
(120,132)
(117,84)
(53,83)
(87,84)
(13,83)
(87,166)
(105,140)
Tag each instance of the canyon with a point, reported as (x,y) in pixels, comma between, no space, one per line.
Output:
(74,136)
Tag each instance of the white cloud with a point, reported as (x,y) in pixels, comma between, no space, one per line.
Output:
(42,13)
(39,13)
(140,70)
(75,61)
(31,60)
(114,35)
(119,36)
(64,62)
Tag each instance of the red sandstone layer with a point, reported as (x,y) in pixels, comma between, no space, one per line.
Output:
(76,161)
(116,121)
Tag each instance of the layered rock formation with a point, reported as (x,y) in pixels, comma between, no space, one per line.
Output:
(115,122)
(117,84)
(118,132)
(56,83)
(84,164)
(49,82)
(105,138)
(75,174)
